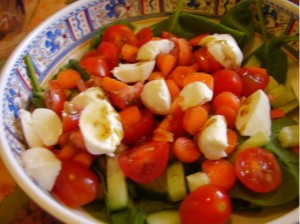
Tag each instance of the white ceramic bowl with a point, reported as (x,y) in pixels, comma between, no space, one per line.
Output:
(66,34)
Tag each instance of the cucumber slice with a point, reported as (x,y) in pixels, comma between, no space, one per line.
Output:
(196,180)
(177,189)
(163,217)
(283,99)
(117,192)
(289,136)
(272,84)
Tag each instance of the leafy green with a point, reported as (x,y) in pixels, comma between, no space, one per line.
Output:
(289,164)
(132,214)
(74,64)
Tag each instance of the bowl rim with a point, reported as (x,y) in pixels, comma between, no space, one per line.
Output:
(51,206)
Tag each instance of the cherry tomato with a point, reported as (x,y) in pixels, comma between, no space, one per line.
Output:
(75,185)
(196,40)
(140,130)
(144,35)
(119,35)
(185,56)
(96,65)
(55,97)
(70,116)
(207,204)
(206,61)
(110,53)
(221,173)
(73,138)
(146,162)
(258,170)
(227,80)
(253,78)
(186,150)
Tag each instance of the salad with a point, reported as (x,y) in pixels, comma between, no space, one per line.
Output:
(148,125)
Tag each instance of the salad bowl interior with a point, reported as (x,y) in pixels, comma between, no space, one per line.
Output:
(67,35)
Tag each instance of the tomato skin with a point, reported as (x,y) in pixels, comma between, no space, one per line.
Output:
(186,150)
(258,170)
(75,185)
(253,79)
(227,80)
(207,204)
(70,116)
(206,61)
(221,173)
(143,36)
(185,56)
(141,130)
(110,53)
(145,162)
(120,34)
(55,97)
(96,65)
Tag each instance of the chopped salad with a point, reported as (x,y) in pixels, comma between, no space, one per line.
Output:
(148,125)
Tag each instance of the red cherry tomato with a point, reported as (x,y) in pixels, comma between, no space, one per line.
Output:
(55,97)
(110,53)
(144,35)
(253,78)
(96,65)
(207,204)
(186,150)
(70,116)
(140,130)
(185,55)
(119,35)
(227,80)
(258,170)
(73,138)
(75,185)
(146,162)
(221,173)
(206,61)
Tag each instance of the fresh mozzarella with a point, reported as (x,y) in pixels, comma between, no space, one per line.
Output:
(195,93)
(47,124)
(254,115)
(87,96)
(151,49)
(101,128)
(136,72)
(212,140)
(156,96)
(41,165)
(31,137)
(224,49)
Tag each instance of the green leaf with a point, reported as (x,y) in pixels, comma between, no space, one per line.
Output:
(132,215)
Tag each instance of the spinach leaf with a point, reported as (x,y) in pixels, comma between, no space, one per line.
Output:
(132,215)
(272,57)
(289,164)
(239,18)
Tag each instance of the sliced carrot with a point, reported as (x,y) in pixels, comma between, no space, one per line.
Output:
(194,119)
(81,85)
(226,99)
(111,84)
(84,158)
(68,78)
(185,56)
(199,76)
(186,150)
(129,52)
(173,88)
(156,75)
(130,115)
(161,134)
(65,153)
(165,63)
(228,113)
(180,73)
(196,40)
(277,113)
(232,141)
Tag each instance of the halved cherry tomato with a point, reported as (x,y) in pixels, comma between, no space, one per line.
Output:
(227,80)
(185,56)
(253,78)
(146,162)
(110,53)
(73,138)
(206,61)
(207,204)
(75,185)
(221,173)
(196,40)
(70,116)
(55,97)
(144,35)
(120,34)
(258,170)
(95,65)
(140,130)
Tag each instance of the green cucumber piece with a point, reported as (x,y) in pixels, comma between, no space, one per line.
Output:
(176,184)
(272,84)
(283,99)
(289,136)
(117,191)
(289,107)
(168,216)
(196,180)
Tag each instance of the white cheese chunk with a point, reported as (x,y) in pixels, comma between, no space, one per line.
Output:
(156,97)
(101,128)
(196,180)
(212,140)
(87,96)
(254,115)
